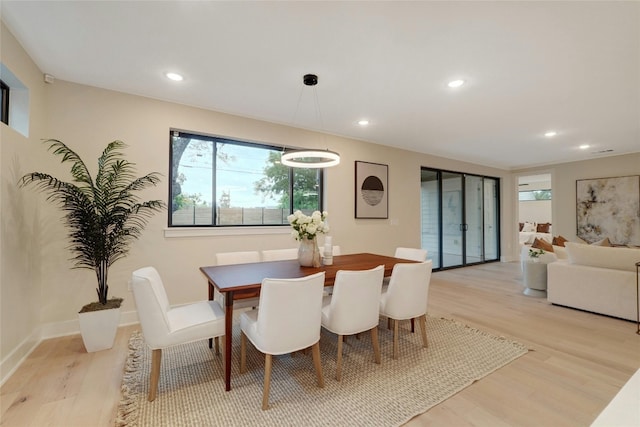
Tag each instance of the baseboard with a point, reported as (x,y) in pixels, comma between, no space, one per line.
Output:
(19,354)
(72,327)
(49,330)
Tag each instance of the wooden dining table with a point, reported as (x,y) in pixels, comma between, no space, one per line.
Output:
(238,281)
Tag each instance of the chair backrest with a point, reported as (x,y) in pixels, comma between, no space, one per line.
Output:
(152,304)
(289,313)
(408,290)
(355,302)
(242,257)
(414,254)
(279,254)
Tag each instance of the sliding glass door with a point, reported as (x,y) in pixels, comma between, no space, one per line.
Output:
(459,218)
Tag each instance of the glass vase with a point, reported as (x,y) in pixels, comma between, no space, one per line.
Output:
(308,253)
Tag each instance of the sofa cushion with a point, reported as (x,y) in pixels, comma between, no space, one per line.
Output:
(560,251)
(602,256)
(542,244)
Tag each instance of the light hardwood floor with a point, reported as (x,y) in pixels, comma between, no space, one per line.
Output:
(577,363)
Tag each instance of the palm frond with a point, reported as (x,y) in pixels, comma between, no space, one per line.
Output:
(104,216)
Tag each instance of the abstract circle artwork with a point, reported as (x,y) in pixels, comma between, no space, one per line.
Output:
(372,190)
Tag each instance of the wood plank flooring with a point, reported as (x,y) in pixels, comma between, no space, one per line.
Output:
(577,363)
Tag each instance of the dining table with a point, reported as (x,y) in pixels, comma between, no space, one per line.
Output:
(239,281)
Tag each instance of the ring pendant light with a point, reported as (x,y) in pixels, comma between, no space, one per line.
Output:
(310,158)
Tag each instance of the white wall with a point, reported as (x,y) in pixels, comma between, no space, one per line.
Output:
(538,211)
(21,286)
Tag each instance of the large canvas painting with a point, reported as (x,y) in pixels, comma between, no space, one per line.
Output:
(372,190)
(609,207)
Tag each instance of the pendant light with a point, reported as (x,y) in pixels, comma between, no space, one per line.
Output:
(310,158)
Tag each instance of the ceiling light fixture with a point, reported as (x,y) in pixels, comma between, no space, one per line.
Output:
(455,83)
(363,122)
(310,158)
(551,134)
(174,76)
(584,146)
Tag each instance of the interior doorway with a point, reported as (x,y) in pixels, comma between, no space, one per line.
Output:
(535,204)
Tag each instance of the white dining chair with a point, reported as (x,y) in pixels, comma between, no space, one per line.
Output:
(240,257)
(413,254)
(406,297)
(353,308)
(279,254)
(165,326)
(287,320)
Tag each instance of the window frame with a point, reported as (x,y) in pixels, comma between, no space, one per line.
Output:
(541,190)
(4,107)
(215,139)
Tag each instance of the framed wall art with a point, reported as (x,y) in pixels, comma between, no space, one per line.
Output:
(372,190)
(609,208)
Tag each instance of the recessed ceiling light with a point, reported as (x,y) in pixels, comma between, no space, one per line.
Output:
(584,146)
(551,134)
(363,122)
(174,76)
(455,83)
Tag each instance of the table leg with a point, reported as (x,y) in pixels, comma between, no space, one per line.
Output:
(228,325)
(211,299)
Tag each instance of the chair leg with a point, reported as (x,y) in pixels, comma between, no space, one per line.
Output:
(413,324)
(339,359)
(217,345)
(395,338)
(267,381)
(423,328)
(243,353)
(156,360)
(316,362)
(376,345)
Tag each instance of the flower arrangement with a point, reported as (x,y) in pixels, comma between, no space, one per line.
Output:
(307,227)
(536,253)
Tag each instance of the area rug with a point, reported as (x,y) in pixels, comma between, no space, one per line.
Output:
(191,390)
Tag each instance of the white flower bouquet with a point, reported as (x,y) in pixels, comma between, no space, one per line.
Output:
(307,227)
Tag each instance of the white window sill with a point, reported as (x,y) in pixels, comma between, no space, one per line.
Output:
(224,231)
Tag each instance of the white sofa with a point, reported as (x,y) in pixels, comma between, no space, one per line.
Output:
(595,278)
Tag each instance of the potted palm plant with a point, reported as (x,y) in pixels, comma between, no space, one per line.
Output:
(103,216)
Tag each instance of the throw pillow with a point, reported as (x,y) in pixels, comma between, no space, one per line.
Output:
(521,226)
(559,241)
(603,242)
(543,228)
(542,244)
(529,227)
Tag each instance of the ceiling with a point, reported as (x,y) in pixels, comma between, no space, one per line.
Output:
(529,67)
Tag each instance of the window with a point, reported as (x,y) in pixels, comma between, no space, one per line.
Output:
(525,196)
(217,182)
(4,103)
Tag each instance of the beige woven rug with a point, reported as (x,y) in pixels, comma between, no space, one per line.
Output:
(191,390)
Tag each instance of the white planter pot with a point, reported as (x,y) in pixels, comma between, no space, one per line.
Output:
(98,328)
